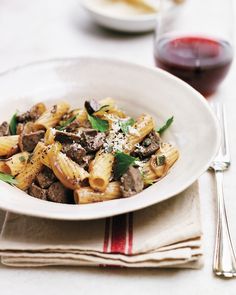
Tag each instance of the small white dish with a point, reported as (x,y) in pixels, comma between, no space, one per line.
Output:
(137,89)
(123,19)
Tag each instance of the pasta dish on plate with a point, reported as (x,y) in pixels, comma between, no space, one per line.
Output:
(85,155)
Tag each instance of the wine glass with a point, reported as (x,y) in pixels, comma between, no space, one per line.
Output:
(196,45)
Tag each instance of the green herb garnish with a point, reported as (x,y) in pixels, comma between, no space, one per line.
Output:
(161,160)
(166,126)
(22,159)
(64,124)
(123,161)
(124,126)
(103,107)
(98,124)
(8,178)
(13,124)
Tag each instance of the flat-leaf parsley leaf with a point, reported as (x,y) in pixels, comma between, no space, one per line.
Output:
(123,161)
(166,126)
(8,178)
(98,124)
(66,123)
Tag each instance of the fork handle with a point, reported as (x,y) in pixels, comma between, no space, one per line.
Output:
(224,263)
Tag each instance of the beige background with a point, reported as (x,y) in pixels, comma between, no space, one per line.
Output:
(36,30)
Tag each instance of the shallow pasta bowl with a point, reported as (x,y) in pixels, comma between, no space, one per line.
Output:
(137,89)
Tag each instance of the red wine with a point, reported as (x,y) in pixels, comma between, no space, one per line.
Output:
(199,61)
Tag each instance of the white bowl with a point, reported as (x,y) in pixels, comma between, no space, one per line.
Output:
(129,23)
(137,89)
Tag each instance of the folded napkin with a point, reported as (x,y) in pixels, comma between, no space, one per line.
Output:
(165,235)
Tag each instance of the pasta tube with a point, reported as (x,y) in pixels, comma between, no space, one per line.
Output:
(66,170)
(160,163)
(16,163)
(44,156)
(109,108)
(164,158)
(38,109)
(87,195)
(100,171)
(8,145)
(143,126)
(2,166)
(51,117)
(49,136)
(149,176)
(32,168)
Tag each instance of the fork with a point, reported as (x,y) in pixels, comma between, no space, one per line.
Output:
(224,262)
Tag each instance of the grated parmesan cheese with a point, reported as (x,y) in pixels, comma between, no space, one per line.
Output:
(115,140)
(133,131)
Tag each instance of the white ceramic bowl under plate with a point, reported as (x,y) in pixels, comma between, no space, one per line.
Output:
(126,22)
(137,89)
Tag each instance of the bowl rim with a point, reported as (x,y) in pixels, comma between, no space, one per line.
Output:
(115,61)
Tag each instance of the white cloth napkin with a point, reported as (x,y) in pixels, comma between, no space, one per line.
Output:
(165,235)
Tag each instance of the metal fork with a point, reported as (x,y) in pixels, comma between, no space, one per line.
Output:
(224,263)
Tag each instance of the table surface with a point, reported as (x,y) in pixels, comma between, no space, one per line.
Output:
(37,30)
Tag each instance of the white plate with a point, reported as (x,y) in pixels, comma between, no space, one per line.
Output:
(126,22)
(137,89)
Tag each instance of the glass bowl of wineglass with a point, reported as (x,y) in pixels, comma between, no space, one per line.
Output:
(197,45)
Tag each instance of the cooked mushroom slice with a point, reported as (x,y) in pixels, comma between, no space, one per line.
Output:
(92,106)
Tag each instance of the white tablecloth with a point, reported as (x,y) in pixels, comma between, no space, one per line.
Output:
(36,30)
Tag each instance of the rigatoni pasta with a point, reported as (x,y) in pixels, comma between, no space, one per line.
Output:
(142,127)
(160,163)
(8,145)
(52,116)
(26,177)
(16,163)
(67,171)
(86,195)
(84,155)
(100,170)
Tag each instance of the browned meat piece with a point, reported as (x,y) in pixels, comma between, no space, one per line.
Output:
(58,193)
(54,109)
(73,127)
(4,129)
(66,137)
(92,140)
(131,182)
(74,151)
(45,178)
(33,114)
(23,118)
(76,126)
(92,106)
(84,162)
(148,146)
(29,141)
(38,192)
